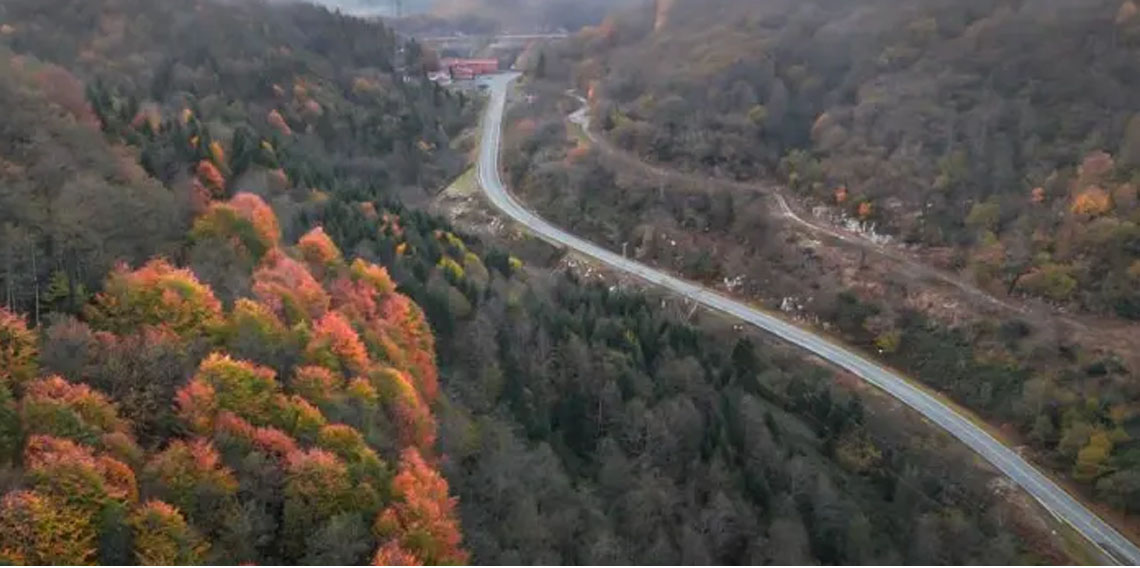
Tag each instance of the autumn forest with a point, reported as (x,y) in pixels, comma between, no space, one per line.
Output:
(232,332)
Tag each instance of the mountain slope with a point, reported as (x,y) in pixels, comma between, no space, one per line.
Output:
(694,100)
(575,422)
(290,99)
(979,126)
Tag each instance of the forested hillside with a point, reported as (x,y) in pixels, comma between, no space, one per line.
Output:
(1001,130)
(279,412)
(212,347)
(195,101)
(587,425)
(523,16)
(1062,387)
(267,453)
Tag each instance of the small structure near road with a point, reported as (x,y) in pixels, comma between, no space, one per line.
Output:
(465,69)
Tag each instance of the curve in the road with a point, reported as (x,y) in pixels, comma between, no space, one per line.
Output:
(1037,484)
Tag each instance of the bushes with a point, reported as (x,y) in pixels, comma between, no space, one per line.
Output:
(1052,281)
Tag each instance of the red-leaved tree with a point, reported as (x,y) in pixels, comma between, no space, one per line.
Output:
(246,221)
(289,289)
(336,346)
(156,294)
(421,520)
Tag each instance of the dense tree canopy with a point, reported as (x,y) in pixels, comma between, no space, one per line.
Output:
(205,489)
(272,357)
(182,95)
(1002,129)
(955,126)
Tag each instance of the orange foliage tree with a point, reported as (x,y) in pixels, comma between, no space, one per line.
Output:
(235,436)
(317,487)
(316,384)
(252,322)
(79,448)
(162,537)
(191,476)
(18,352)
(313,109)
(56,407)
(260,214)
(232,432)
(336,345)
(223,383)
(1127,11)
(156,294)
(355,295)
(38,530)
(374,276)
(342,440)
(392,554)
(577,154)
(369,210)
(396,332)
(297,416)
(390,225)
(71,474)
(274,442)
(197,406)
(218,154)
(279,178)
(319,251)
(362,392)
(1092,202)
(410,330)
(1095,166)
(349,445)
(289,289)
(413,419)
(212,178)
(245,220)
(421,520)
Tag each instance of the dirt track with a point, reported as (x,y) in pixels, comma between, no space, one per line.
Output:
(1104,332)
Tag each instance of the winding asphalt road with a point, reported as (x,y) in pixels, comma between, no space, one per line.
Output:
(1113,544)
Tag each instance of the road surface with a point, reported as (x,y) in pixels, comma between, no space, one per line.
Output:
(1049,494)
